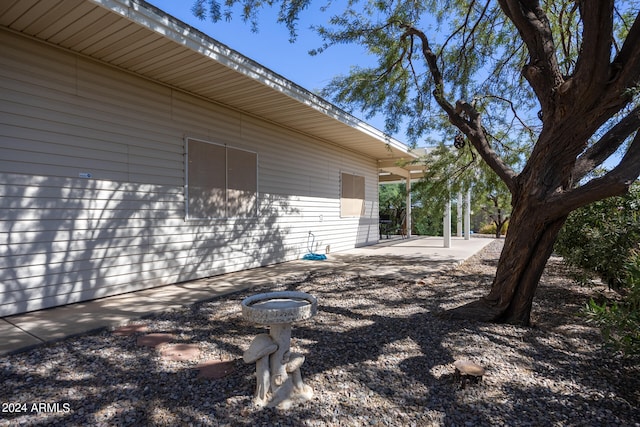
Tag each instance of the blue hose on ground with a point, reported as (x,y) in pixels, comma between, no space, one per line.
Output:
(311,256)
(314,257)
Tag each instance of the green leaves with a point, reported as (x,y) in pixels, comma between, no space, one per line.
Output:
(392,204)
(619,321)
(249,11)
(604,238)
(601,236)
(450,171)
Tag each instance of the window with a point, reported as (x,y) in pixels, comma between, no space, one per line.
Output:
(222,182)
(352,195)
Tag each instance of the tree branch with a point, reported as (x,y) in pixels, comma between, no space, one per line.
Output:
(475,132)
(592,68)
(606,146)
(614,183)
(463,115)
(623,80)
(542,72)
(516,116)
(434,69)
(627,63)
(465,25)
(566,17)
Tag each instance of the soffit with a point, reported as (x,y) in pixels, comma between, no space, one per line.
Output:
(140,38)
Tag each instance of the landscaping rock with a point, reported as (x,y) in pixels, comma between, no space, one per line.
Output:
(377,353)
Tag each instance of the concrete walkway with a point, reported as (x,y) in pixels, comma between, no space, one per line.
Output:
(409,259)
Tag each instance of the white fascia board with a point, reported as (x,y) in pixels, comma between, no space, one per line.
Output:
(160,22)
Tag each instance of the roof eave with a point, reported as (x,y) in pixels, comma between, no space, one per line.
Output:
(158,21)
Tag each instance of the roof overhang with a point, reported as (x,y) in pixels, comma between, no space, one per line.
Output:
(391,172)
(140,38)
(394,171)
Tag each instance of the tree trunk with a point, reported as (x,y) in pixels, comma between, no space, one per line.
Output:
(500,222)
(528,246)
(498,219)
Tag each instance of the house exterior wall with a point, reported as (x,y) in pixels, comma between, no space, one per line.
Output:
(92,184)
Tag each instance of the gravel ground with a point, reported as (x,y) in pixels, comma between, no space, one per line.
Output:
(377,354)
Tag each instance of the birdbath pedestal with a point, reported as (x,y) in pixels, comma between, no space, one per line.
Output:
(279,382)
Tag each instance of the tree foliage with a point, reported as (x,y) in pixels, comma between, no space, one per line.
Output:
(558,81)
(603,236)
(392,199)
(492,68)
(620,320)
(451,170)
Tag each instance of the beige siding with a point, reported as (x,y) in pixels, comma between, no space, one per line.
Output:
(66,238)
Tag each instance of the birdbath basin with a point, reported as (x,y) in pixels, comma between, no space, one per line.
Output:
(279,382)
(279,307)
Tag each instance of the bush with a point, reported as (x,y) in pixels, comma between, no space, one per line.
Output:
(491,228)
(600,237)
(604,238)
(620,320)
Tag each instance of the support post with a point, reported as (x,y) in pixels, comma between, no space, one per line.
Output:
(459,216)
(446,232)
(408,210)
(467,216)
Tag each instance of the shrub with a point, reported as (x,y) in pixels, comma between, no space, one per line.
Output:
(604,238)
(601,236)
(620,320)
(490,228)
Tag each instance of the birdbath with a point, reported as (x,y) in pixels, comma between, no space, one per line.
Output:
(279,382)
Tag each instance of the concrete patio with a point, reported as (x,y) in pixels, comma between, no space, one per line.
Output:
(409,259)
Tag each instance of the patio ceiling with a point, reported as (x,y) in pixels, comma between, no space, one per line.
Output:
(140,38)
(394,171)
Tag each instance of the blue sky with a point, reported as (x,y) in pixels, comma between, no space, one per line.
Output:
(271,47)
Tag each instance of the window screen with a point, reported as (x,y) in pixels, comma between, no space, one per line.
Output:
(352,195)
(221,181)
(241,183)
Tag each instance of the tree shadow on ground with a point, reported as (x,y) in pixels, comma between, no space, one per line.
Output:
(377,350)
